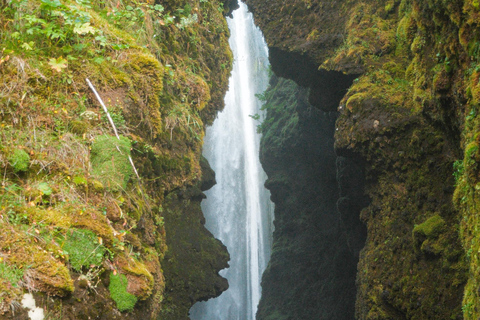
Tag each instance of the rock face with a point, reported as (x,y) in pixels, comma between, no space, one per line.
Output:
(311,274)
(404,78)
(194,257)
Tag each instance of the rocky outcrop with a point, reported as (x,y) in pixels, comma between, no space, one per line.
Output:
(194,256)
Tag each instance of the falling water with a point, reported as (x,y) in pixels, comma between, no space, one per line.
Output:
(237,209)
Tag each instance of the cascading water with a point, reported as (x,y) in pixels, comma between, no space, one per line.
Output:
(238,210)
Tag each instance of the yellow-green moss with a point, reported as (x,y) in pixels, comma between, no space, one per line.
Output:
(431,228)
(140,275)
(42,271)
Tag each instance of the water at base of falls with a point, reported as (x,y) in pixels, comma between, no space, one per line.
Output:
(238,210)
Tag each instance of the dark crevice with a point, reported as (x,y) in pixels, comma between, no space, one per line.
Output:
(318,197)
(327,88)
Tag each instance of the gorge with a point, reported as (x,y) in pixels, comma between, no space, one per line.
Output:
(370,145)
(237,209)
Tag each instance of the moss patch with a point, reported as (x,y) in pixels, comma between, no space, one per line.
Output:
(431,228)
(110,162)
(19,160)
(83,249)
(118,291)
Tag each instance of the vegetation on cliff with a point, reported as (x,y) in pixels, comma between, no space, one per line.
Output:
(409,119)
(75,220)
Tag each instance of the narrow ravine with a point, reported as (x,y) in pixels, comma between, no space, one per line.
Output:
(238,210)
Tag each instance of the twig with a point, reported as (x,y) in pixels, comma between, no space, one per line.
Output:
(111,121)
(104,107)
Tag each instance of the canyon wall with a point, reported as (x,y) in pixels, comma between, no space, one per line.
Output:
(100,222)
(402,80)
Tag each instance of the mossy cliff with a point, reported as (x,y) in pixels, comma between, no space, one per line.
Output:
(402,76)
(95,226)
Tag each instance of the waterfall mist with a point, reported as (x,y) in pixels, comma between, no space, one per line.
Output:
(238,210)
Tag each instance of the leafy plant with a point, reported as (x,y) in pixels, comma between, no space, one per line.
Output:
(58,64)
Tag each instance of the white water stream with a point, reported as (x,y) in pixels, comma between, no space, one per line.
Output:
(238,210)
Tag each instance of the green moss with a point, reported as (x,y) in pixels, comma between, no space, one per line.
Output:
(83,249)
(110,161)
(431,228)
(389,6)
(118,291)
(19,160)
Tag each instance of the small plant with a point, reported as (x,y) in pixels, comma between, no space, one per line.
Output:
(58,64)
(118,291)
(19,160)
(44,188)
(187,21)
(458,170)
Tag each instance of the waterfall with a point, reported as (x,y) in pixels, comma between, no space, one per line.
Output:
(238,210)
